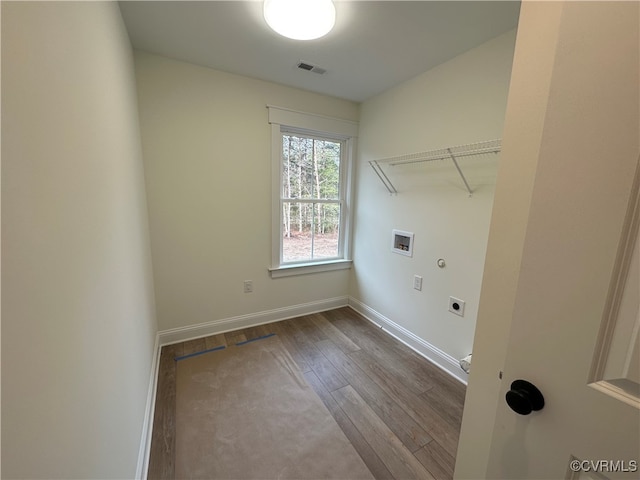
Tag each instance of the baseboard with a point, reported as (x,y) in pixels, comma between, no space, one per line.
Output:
(166,337)
(147,425)
(436,356)
(181,334)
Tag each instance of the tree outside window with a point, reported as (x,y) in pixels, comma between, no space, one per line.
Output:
(311,197)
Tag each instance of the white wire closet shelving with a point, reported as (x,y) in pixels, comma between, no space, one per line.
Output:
(449,153)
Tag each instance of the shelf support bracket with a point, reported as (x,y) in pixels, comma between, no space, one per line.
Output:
(455,162)
(383,177)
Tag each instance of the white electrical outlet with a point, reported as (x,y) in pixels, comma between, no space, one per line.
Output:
(417,282)
(248,286)
(456,306)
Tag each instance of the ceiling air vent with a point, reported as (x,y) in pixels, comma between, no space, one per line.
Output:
(311,68)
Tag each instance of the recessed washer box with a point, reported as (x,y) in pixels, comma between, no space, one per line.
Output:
(402,242)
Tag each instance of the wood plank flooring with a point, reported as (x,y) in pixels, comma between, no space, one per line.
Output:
(401,413)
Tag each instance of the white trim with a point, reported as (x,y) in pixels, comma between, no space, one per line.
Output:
(305,268)
(436,356)
(276,193)
(142,469)
(312,122)
(284,120)
(214,327)
(347,220)
(616,392)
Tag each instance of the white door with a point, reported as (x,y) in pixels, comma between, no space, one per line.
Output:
(574,330)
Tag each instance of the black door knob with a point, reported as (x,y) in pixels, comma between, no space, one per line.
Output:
(524,397)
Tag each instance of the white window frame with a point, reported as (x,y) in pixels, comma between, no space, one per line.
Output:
(285,121)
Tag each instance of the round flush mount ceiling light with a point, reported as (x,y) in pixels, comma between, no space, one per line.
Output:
(300,19)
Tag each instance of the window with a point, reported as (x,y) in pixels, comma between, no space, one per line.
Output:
(312,158)
(311,198)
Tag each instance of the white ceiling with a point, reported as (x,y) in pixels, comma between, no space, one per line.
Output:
(374,45)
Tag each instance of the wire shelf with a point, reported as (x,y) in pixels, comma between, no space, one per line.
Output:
(449,153)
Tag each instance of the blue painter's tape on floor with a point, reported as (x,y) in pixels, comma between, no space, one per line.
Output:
(199,353)
(255,339)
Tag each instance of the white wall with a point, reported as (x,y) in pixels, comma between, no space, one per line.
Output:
(206,142)
(78,322)
(461,101)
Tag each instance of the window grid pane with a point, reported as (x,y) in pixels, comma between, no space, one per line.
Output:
(327,228)
(311,167)
(311,231)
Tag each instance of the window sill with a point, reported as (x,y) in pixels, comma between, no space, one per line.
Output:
(305,268)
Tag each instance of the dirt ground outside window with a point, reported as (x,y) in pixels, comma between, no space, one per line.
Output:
(298,246)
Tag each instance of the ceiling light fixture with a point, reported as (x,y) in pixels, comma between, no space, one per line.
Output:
(300,19)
